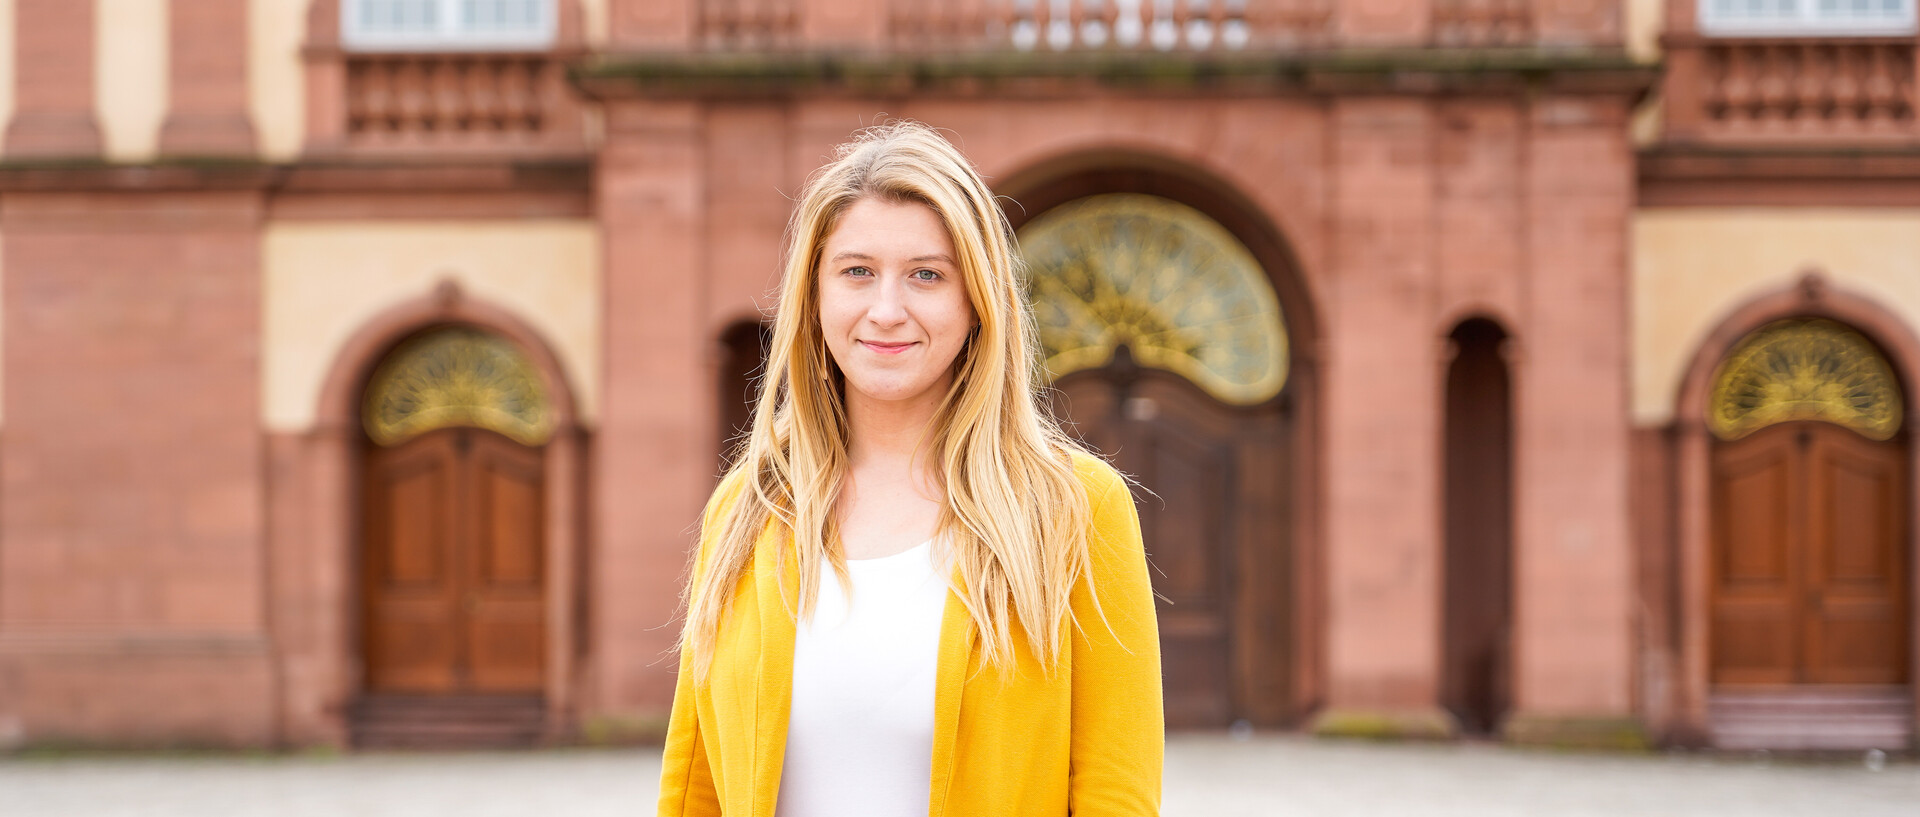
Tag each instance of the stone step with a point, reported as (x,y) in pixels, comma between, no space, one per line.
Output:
(1820,719)
(447,723)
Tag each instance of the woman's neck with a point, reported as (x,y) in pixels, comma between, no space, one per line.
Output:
(888,438)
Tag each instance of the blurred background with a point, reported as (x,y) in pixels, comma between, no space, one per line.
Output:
(1524,370)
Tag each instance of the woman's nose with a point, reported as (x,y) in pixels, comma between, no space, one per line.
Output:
(889,303)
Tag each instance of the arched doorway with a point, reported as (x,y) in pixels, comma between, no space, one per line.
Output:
(453,550)
(1476,636)
(1171,355)
(1809,583)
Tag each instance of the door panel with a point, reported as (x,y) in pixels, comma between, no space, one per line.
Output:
(1754,608)
(410,587)
(1856,617)
(452,571)
(507,625)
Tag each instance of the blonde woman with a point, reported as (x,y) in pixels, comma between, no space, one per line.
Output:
(913,594)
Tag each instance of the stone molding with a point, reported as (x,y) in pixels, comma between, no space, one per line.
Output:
(1410,72)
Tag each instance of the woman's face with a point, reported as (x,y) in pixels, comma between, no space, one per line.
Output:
(893,304)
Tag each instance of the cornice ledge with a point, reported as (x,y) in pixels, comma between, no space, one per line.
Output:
(1334,71)
(312,174)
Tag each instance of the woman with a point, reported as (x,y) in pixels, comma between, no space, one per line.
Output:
(913,594)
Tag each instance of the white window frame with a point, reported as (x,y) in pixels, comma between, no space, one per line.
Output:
(448,35)
(1807,20)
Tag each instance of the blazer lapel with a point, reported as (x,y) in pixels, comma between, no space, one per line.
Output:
(773,688)
(950,680)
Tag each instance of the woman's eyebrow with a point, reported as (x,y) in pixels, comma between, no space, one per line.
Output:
(853,255)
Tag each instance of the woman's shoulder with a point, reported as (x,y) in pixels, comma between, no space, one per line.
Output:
(1099,478)
(732,485)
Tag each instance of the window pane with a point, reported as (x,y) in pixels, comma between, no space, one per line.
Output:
(501,15)
(428,25)
(1806,17)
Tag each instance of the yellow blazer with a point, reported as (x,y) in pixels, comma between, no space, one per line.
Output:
(1085,739)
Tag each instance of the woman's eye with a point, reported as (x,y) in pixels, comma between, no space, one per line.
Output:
(926,275)
(859,271)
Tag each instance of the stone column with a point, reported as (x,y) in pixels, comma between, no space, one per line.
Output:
(1383,427)
(53,81)
(1573,559)
(207,79)
(654,462)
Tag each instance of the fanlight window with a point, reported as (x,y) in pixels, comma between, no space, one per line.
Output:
(456,377)
(1806,17)
(1163,279)
(447,25)
(1804,370)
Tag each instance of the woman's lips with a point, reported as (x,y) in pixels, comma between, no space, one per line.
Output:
(886,348)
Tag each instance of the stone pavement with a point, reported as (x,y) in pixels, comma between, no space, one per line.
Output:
(1207,776)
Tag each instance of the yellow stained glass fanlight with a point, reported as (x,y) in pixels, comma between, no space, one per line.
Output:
(456,377)
(1162,278)
(1809,369)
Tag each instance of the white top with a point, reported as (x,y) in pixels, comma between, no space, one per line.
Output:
(860,731)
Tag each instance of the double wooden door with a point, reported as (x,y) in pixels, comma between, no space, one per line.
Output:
(452,571)
(1213,519)
(1810,558)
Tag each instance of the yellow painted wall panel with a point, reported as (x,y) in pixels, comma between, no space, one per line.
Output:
(1694,266)
(6,62)
(130,76)
(325,280)
(1645,20)
(276,84)
(594,15)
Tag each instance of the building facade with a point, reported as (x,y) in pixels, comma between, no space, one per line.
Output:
(1529,368)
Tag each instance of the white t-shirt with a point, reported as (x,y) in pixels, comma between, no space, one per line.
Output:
(860,730)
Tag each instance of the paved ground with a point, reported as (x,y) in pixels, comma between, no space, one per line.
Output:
(1206,777)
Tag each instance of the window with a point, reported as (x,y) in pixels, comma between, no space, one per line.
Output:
(1806,17)
(446,25)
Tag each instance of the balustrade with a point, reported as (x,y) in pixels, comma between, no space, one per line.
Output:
(454,100)
(1828,89)
(1482,22)
(1125,25)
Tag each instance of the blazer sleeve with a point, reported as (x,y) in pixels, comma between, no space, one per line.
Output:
(1119,733)
(686,781)
(686,777)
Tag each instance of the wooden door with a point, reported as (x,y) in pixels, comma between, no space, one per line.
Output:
(453,566)
(1212,519)
(1810,558)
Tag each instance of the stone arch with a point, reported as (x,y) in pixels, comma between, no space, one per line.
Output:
(324,493)
(1054,180)
(346,378)
(1813,296)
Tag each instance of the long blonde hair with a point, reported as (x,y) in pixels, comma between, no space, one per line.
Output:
(1016,515)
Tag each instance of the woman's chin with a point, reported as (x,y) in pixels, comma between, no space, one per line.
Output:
(890,393)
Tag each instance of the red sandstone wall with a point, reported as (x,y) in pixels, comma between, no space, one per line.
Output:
(131,497)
